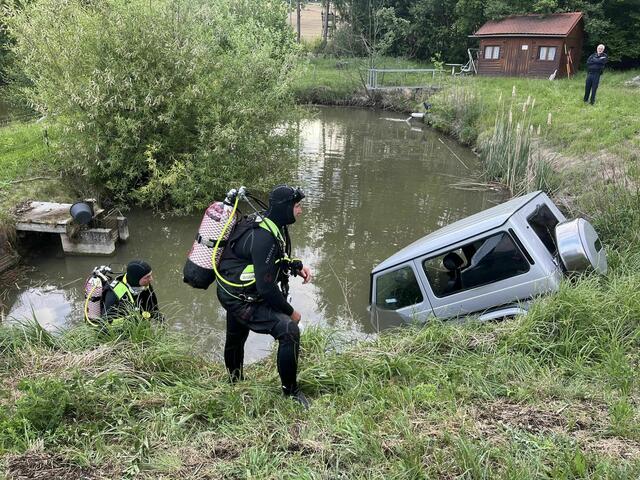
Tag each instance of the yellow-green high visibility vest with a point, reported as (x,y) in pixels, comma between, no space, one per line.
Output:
(248,273)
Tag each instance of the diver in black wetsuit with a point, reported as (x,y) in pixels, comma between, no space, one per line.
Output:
(133,290)
(256,261)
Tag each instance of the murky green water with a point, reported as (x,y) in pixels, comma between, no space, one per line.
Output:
(374,184)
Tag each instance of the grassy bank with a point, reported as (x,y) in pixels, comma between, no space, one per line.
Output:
(551,395)
(28,169)
(568,125)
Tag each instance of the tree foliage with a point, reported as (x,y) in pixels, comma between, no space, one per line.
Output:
(164,101)
(444,26)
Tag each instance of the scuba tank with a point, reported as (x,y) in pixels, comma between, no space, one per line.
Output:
(217,224)
(93,292)
(93,297)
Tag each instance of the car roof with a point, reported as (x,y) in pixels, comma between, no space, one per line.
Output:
(466,228)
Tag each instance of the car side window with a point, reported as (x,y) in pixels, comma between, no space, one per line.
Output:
(397,289)
(477,263)
(543,222)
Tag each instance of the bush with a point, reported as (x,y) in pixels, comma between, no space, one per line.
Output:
(162,101)
(456,112)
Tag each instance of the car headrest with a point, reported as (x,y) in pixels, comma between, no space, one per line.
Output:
(452,261)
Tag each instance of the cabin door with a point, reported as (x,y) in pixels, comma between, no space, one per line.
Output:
(522,53)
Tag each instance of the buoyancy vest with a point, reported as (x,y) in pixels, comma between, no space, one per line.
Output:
(239,271)
(124,292)
(120,288)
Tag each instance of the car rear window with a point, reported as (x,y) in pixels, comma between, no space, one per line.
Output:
(477,263)
(543,222)
(397,289)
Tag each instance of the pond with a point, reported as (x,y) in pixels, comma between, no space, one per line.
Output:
(374,183)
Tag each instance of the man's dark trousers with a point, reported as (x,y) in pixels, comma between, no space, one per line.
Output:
(593,79)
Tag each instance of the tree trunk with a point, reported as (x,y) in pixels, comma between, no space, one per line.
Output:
(298,17)
(325,24)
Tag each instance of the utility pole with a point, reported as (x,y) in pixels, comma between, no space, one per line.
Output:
(298,14)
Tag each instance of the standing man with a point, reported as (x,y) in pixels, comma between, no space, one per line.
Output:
(133,290)
(595,66)
(255,268)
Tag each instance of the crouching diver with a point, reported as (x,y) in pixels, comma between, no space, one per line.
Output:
(253,266)
(133,290)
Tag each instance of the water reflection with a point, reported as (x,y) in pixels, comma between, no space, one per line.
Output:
(376,185)
(373,185)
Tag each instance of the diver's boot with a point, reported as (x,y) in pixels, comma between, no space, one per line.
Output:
(296,394)
(236,376)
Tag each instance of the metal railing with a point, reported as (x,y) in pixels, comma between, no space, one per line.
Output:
(374,80)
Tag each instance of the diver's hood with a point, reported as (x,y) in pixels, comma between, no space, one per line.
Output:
(281,201)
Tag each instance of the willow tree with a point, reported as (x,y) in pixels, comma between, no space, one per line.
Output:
(167,101)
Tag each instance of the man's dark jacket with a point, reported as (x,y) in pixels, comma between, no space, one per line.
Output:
(596,63)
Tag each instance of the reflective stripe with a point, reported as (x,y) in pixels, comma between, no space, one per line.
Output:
(248,273)
(269,226)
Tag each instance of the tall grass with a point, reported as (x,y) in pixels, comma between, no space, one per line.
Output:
(511,155)
(549,395)
(510,150)
(613,205)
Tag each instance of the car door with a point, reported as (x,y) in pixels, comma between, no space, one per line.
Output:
(398,297)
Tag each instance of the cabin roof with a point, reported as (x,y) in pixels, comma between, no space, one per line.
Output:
(466,228)
(551,25)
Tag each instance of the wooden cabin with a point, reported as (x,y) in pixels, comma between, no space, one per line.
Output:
(531,45)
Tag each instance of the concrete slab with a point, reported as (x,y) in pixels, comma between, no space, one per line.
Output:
(93,241)
(48,217)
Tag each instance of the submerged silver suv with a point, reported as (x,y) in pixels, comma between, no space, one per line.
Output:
(489,264)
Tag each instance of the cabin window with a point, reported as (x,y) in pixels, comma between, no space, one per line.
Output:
(477,263)
(543,222)
(397,289)
(547,53)
(492,52)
